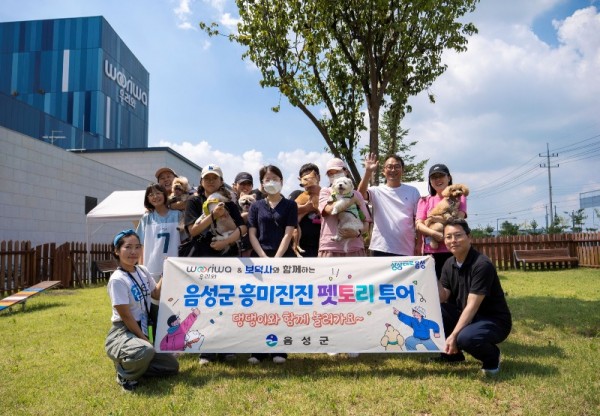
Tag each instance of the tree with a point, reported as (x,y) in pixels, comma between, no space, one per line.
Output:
(577,220)
(508,228)
(482,232)
(558,226)
(391,138)
(534,226)
(345,54)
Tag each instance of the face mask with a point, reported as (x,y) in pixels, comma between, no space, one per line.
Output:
(335,176)
(272,187)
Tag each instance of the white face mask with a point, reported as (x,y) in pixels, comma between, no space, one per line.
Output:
(272,187)
(335,176)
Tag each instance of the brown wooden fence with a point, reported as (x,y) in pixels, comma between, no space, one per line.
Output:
(22,265)
(584,246)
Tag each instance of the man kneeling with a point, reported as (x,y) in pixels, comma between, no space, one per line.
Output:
(474,310)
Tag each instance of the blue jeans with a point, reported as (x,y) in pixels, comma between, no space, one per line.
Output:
(479,338)
(412,342)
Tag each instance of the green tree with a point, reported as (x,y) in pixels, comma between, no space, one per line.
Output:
(392,141)
(534,226)
(508,228)
(559,225)
(482,232)
(577,220)
(342,55)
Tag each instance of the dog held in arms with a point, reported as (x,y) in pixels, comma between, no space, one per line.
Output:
(445,209)
(346,208)
(306,181)
(221,227)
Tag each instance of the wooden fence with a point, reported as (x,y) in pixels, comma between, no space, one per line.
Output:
(584,246)
(22,265)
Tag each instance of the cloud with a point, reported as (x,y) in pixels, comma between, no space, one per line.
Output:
(183,12)
(229,22)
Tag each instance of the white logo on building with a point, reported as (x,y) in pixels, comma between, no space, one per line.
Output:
(129,92)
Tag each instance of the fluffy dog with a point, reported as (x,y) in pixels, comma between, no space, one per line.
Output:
(222,227)
(306,181)
(346,208)
(179,190)
(245,200)
(445,209)
(392,340)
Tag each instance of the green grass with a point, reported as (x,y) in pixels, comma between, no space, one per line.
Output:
(53,362)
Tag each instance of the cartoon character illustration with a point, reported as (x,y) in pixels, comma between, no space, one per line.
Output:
(421,328)
(392,340)
(175,340)
(192,337)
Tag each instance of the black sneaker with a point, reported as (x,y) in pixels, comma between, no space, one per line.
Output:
(128,386)
(449,358)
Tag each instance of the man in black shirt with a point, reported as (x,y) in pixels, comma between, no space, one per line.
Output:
(474,310)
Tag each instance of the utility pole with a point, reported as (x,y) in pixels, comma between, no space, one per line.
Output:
(547,165)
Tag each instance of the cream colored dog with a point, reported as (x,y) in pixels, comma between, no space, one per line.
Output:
(445,209)
(392,340)
(222,227)
(346,208)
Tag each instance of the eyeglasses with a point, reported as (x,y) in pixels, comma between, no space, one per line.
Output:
(155,194)
(455,236)
(210,178)
(393,167)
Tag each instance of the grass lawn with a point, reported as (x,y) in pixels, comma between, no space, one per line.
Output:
(53,362)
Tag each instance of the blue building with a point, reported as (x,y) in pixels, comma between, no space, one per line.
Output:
(72,82)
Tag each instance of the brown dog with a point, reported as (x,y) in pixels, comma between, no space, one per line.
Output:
(445,209)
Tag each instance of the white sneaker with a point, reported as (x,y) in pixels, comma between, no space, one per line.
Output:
(279,360)
(353,354)
(253,360)
(332,354)
(204,361)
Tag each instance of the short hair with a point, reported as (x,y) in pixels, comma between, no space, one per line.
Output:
(397,157)
(307,168)
(149,189)
(459,222)
(269,168)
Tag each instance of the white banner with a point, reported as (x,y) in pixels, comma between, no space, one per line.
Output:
(300,305)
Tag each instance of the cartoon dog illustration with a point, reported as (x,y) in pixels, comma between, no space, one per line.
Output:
(392,340)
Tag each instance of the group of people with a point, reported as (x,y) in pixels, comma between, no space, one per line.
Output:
(475,314)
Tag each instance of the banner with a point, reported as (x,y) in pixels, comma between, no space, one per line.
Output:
(299,305)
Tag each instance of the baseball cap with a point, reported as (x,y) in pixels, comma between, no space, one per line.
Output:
(335,164)
(163,170)
(211,169)
(243,177)
(420,310)
(439,168)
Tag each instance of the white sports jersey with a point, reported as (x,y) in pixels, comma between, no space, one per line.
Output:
(160,238)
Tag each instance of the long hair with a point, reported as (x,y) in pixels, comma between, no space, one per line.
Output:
(149,189)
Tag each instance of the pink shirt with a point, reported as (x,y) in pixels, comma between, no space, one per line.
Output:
(426,204)
(329,225)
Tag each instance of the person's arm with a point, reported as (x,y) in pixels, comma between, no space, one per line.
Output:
(285,241)
(473,303)
(255,243)
(371,164)
(155,294)
(130,322)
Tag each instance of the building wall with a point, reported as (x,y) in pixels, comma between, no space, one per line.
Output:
(80,72)
(42,196)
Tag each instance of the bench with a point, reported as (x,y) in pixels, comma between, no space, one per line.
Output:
(105,267)
(544,256)
(22,296)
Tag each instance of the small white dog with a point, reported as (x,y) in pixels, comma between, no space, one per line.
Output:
(346,208)
(222,227)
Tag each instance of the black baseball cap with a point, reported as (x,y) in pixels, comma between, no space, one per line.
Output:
(439,168)
(243,177)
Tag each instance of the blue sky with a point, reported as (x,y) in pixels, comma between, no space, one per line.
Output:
(530,77)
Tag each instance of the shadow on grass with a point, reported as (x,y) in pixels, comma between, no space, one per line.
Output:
(29,308)
(571,315)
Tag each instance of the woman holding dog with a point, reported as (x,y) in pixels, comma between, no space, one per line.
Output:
(439,179)
(352,240)
(211,181)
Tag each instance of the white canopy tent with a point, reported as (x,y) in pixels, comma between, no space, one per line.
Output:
(117,207)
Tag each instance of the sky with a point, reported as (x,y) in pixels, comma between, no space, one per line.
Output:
(528,83)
